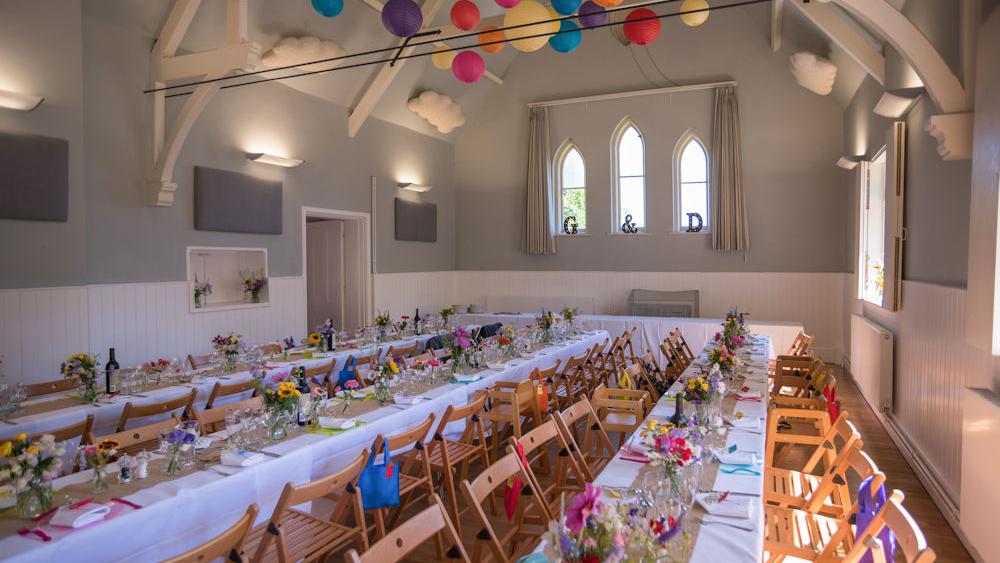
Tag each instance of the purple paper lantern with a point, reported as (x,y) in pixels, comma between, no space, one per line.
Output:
(590,14)
(468,66)
(402,18)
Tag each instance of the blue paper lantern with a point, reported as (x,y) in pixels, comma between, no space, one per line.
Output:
(566,7)
(402,18)
(328,8)
(568,38)
(591,14)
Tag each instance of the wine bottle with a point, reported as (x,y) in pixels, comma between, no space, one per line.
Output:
(678,419)
(417,324)
(111,373)
(303,386)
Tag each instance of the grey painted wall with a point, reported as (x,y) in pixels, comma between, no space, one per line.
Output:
(791,137)
(45,60)
(104,110)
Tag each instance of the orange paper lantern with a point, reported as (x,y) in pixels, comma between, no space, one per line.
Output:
(608,3)
(488,35)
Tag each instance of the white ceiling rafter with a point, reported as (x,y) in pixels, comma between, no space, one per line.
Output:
(828,21)
(777,23)
(238,54)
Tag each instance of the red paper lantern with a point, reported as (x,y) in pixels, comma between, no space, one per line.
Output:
(641,32)
(465,15)
(468,66)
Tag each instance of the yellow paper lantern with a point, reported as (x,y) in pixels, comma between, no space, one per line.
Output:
(527,12)
(697,18)
(442,58)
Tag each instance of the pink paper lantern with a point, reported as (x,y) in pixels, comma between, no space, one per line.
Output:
(508,4)
(468,66)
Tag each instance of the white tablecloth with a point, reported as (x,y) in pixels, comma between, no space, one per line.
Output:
(652,330)
(106,415)
(184,513)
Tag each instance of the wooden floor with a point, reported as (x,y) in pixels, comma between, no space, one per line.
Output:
(878,445)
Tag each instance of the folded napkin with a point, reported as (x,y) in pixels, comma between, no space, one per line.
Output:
(739,484)
(241,458)
(741,523)
(337,423)
(79,516)
(400,399)
(632,456)
(731,506)
(750,424)
(358,393)
(467,378)
(203,442)
(748,396)
(497,365)
(737,458)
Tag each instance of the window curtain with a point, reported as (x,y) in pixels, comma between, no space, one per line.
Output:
(539,234)
(730,229)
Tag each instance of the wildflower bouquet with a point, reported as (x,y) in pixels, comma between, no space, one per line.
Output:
(734,329)
(404,321)
(159,365)
(382,320)
(697,389)
(201,289)
(97,457)
(314,339)
(382,375)
(545,320)
(594,532)
(173,443)
(229,346)
(29,467)
(670,452)
(721,356)
(569,313)
(446,313)
(252,284)
(83,369)
(458,342)
(280,392)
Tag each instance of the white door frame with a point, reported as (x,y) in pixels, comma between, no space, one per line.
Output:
(367,283)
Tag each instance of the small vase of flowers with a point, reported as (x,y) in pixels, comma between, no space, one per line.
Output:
(174,443)
(229,347)
(446,314)
(83,370)
(97,457)
(328,331)
(201,289)
(458,343)
(382,325)
(544,323)
(252,285)
(281,397)
(670,453)
(382,375)
(28,467)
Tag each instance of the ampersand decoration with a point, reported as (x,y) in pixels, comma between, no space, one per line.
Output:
(628,226)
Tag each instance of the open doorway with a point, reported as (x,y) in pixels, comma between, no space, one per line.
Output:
(336,266)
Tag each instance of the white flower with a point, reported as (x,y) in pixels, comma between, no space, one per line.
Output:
(31,460)
(21,484)
(15,469)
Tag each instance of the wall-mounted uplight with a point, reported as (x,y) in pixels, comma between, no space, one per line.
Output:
(895,103)
(849,162)
(420,188)
(276,160)
(20,102)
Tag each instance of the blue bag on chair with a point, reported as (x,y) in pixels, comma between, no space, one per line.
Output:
(346,374)
(379,482)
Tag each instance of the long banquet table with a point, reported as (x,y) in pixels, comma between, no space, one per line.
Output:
(714,542)
(652,330)
(179,514)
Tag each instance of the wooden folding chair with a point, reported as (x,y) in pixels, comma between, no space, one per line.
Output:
(681,345)
(46,387)
(810,428)
(228,545)
(675,361)
(642,381)
(538,446)
(197,362)
(320,373)
(512,406)
(414,469)
(214,419)
(800,347)
(183,403)
(292,535)
(520,536)
(446,454)
(621,410)
(137,439)
(81,430)
(398,351)
(826,494)
(572,383)
(591,445)
(271,348)
(220,390)
(397,544)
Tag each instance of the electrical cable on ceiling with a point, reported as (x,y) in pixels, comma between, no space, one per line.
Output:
(429,53)
(653,60)
(639,66)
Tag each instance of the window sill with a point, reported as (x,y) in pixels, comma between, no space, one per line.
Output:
(687,234)
(577,235)
(621,234)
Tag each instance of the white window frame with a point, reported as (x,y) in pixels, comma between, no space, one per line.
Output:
(680,223)
(863,208)
(616,137)
(561,154)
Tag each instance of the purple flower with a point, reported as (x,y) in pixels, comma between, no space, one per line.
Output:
(583,505)
(176,436)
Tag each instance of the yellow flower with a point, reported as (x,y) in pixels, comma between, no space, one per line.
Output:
(314,338)
(21,437)
(107,445)
(33,449)
(5,449)
(393,366)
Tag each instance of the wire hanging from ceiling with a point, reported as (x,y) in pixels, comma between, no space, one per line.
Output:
(398,56)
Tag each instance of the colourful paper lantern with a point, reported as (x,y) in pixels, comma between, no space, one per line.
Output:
(697,18)
(442,58)
(468,66)
(402,18)
(507,4)
(566,7)
(568,38)
(591,14)
(641,32)
(529,12)
(608,3)
(489,34)
(328,8)
(465,15)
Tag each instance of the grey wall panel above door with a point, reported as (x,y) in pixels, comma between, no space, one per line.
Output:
(236,203)
(34,177)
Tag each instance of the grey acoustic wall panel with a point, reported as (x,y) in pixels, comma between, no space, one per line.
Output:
(34,177)
(235,203)
(416,220)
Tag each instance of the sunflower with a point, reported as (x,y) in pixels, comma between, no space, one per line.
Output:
(5,449)
(108,445)
(22,437)
(393,366)
(314,338)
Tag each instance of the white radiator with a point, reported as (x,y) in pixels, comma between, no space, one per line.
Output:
(871,362)
(980,458)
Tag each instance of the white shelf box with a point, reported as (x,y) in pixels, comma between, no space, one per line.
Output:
(224,268)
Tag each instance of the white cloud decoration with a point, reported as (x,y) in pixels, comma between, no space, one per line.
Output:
(440,110)
(297,50)
(813,73)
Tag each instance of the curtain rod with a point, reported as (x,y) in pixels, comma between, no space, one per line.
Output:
(632,94)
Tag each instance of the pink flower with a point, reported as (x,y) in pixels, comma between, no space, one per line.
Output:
(351,384)
(583,505)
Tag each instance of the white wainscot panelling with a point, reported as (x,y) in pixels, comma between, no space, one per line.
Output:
(814,299)
(402,293)
(39,328)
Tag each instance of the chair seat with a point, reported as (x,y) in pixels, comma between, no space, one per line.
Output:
(798,533)
(457,453)
(784,486)
(615,420)
(309,538)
